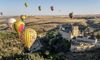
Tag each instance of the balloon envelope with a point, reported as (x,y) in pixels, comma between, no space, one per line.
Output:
(19,26)
(28,37)
(52,8)
(26,5)
(1,13)
(39,8)
(23,16)
(10,22)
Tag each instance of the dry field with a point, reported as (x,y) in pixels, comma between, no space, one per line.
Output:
(11,47)
(44,23)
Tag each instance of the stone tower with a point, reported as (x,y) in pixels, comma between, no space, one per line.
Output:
(75,31)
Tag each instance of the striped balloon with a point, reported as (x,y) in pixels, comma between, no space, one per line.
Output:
(19,26)
(28,37)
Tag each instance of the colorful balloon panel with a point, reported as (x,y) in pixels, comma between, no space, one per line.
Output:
(19,26)
(28,37)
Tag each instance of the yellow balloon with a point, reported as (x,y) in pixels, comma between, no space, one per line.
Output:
(28,37)
(19,26)
(23,17)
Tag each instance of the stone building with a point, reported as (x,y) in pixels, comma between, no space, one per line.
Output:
(69,31)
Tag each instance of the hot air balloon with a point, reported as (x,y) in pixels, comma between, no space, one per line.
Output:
(39,8)
(19,26)
(28,37)
(26,4)
(52,8)
(1,13)
(71,15)
(10,22)
(23,17)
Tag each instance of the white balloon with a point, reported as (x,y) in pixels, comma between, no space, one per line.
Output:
(10,22)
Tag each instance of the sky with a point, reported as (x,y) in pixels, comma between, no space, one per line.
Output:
(61,7)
